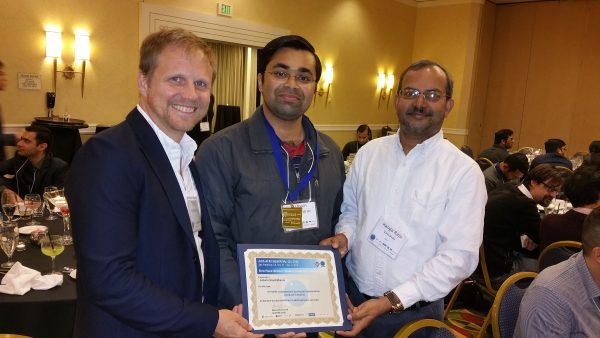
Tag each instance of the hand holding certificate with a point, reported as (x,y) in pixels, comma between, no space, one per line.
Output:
(292,288)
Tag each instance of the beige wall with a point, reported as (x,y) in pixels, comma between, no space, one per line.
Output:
(543,77)
(359,37)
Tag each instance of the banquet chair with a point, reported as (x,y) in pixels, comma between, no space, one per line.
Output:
(443,330)
(557,252)
(505,309)
(484,163)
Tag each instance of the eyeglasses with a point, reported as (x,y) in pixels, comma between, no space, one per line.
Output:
(284,76)
(429,95)
(551,189)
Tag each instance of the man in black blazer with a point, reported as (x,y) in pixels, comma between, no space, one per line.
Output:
(147,259)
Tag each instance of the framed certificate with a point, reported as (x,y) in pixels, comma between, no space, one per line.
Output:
(297,288)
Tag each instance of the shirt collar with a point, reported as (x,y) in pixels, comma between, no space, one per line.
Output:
(424,146)
(185,148)
(525,191)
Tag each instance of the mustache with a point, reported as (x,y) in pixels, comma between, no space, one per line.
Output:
(290,91)
(419,110)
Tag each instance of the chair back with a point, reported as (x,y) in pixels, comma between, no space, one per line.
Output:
(484,271)
(505,309)
(557,252)
(484,163)
(441,329)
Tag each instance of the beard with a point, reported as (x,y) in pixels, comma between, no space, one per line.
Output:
(287,110)
(427,127)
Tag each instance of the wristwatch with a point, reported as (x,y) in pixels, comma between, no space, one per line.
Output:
(395,301)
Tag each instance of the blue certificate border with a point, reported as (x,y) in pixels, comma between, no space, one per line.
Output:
(347,325)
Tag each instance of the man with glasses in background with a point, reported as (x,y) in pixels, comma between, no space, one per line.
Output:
(512,221)
(412,216)
(262,165)
(555,154)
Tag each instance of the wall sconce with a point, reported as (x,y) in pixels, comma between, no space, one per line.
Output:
(82,52)
(325,87)
(385,85)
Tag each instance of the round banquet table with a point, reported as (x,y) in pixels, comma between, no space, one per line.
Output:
(41,313)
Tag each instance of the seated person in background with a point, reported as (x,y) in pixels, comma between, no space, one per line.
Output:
(363,135)
(563,299)
(33,168)
(510,212)
(511,169)
(467,150)
(503,140)
(555,154)
(583,191)
(594,156)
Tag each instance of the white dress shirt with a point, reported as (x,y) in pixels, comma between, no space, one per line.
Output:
(434,197)
(180,155)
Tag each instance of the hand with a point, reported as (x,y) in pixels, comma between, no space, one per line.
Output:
(362,315)
(232,324)
(339,241)
(529,244)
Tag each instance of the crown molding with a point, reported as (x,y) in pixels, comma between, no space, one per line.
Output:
(437,3)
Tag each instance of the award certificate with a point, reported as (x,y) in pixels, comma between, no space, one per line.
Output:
(295,288)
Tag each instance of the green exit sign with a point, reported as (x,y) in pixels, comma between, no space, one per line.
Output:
(224,9)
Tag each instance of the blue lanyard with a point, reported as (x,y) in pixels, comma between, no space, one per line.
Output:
(275,145)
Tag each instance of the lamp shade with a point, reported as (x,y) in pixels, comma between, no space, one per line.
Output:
(53,44)
(82,47)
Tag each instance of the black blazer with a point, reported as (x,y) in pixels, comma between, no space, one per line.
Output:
(138,267)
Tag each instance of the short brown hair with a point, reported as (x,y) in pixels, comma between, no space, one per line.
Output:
(156,42)
(590,231)
(541,174)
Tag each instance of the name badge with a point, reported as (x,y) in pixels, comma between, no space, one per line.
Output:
(204,126)
(299,216)
(387,239)
(194,210)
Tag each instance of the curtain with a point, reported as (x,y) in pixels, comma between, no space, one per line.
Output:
(228,88)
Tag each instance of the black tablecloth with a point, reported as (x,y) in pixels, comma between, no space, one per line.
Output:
(41,314)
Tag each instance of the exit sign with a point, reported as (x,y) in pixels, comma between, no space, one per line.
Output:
(224,9)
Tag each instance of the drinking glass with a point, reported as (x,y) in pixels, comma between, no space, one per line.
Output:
(52,245)
(33,203)
(49,194)
(60,201)
(9,236)
(9,203)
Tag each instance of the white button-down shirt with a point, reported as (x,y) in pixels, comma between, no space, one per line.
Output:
(434,197)
(180,156)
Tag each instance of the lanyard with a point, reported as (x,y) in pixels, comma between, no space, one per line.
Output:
(275,145)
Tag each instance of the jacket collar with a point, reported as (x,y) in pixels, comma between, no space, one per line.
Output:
(259,135)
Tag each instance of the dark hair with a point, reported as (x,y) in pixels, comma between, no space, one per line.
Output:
(156,42)
(594,147)
(583,186)
(501,135)
(288,41)
(425,64)
(517,161)
(553,144)
(467,150)
(362,128)
(590,231)
(543,172)
(42,134)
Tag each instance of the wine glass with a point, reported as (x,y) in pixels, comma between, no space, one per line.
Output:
(9,236)
(33,203)
(52,245)
(49,194)
(9,203)
(60,202)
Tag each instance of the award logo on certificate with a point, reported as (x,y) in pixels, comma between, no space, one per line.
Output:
(292,288)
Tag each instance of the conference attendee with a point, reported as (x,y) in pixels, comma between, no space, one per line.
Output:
(147,258)
(583,191)
(564,299)
(555,154)
(594,156)
(5,139)
(503,141)
(512,168)
(412,216)
(270,161)
(363,135)
(511,226)
(33,167)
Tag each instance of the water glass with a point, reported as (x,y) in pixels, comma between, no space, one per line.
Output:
(33,203)
(9,204)
(9,236)
(49,195)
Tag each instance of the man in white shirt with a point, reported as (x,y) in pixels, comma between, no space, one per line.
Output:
(412,216)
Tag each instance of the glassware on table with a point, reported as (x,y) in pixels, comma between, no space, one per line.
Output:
(22,210)
(9,236)
(49,194)
(33,204)
(60,202)
(9,204)
(52,245)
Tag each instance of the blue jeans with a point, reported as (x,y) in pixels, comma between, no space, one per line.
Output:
(388,324)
